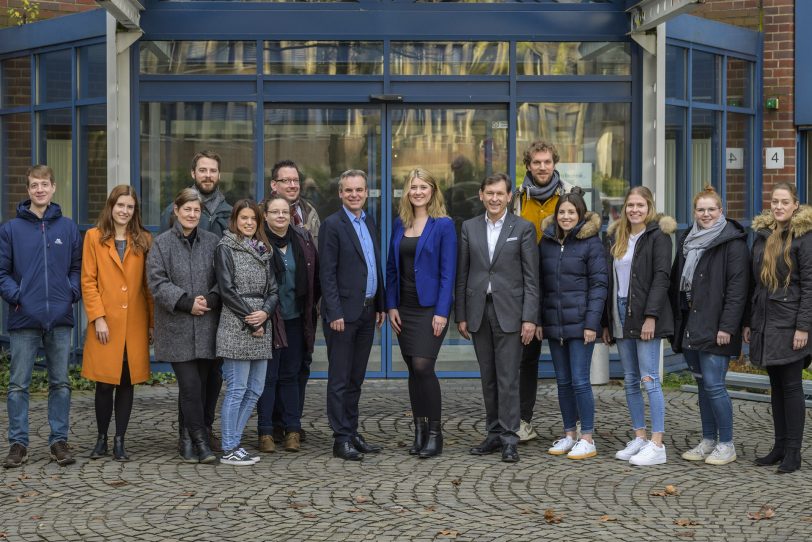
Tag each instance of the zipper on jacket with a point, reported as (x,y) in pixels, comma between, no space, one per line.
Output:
(45,262)
(558,285)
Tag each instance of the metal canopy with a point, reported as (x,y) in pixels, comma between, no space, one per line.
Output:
(126,12)
(647,14)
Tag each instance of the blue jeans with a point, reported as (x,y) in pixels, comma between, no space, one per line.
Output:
(24,345)
(715,408)
(572,361)
(641,363)
(282,383)
(245,380)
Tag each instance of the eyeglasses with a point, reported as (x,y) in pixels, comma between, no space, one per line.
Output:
(287,181)
(703,210)
(277,212)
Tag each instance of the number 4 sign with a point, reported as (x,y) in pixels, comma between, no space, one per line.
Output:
(735,158)
(774,158)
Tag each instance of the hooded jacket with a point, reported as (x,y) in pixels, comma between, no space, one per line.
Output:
(775,316)
(648,284)
(718,292)
(40,268)
(574,279)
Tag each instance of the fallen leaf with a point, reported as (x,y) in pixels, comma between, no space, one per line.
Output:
(30,494)
(526,511)
(353,510)
(671,490)
(606,517)
(551,517)
(685,534)
(3,535)
(291,493)
(430,508)
(23,476)
(118,483)
(668,491)
(360,499)
(35,518)
(450,533)
(685,522)
(297,505)
(456,482)
(408,414)
(765,512)
(807,518)
(309,515)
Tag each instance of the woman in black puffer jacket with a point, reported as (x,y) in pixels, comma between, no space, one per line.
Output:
(781,315)
(709,286)
(573,292)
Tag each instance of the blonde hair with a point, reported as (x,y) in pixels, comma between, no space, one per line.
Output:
(777,245)
(436,205)
(708,192)
(624,229)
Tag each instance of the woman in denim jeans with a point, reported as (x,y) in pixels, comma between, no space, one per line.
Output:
(573,292)
(709,284)
(639,315)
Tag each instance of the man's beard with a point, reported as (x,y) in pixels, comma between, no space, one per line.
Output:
(200,189)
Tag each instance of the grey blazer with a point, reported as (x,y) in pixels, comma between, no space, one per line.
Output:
(513,273)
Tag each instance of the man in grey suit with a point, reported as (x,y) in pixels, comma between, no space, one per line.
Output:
(497,302)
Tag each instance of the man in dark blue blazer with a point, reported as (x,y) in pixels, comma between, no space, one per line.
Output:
(352,304)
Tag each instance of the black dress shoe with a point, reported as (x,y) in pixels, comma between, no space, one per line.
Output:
(363,446)
(510,454)
(346,451)
(488,446)
(119,453)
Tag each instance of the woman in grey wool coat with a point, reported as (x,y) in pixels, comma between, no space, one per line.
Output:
(180,274)
(244,336)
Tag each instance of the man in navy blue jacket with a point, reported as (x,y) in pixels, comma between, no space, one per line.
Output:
(40,264)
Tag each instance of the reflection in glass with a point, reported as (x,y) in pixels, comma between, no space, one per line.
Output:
(55,147)
(512,1)
(739,82)
(324,58)
(55,81)
(449,58)
(15,82)
(459,147)
(324,142)
(705,77)
(92,158)
(92,66)
(738,166)
(193,57)
(15,159)
(573,58)
(706,150)
(675,79)
(675,196)
(593,141)
(171,133)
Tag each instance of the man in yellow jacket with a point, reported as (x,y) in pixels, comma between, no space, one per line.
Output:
(535,200)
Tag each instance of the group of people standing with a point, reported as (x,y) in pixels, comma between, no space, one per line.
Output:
(231,293)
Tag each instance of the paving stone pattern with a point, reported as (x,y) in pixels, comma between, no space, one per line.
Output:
(392,496)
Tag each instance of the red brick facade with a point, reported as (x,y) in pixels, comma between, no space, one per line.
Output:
(47,9)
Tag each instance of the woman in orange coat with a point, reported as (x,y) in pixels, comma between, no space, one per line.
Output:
(119,313)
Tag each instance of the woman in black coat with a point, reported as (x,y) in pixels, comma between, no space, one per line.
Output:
(781,315)
(573,292)
(709,287)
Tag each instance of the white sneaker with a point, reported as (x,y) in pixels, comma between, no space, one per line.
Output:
(632,447)
(236,457)
(651,454)
(561,446)
(254,458)
(526,432)
(700,451)
(583,449)
(722,454)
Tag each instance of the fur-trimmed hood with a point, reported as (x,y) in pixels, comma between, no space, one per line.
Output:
(588,227)
(801,221)
(666,223)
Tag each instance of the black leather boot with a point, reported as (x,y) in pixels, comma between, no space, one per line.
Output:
(434,442)
(214,443)
(119,453)
(791,462)
(185,447)
(421,427)
(775,456)
(200,438)
(100,450)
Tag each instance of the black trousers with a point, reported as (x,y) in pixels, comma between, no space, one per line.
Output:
(529,378)
(348,356)
(192,391)
(788,402)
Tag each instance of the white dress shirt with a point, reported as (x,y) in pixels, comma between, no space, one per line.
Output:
(493,231)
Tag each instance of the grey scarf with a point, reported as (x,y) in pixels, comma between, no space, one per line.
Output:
(541,193)
(695,244)
(213,200)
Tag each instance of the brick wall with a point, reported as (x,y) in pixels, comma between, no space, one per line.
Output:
(47,9)
(777,20)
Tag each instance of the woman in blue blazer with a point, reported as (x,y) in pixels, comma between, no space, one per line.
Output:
(420,273)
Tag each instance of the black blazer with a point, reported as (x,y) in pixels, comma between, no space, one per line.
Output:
(343,270)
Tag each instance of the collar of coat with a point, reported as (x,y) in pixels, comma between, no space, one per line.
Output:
(588,227)
(666,224)
(801,221)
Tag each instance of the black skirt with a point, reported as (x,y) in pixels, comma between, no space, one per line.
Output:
(416,337)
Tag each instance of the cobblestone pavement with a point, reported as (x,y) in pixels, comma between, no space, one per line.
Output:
(391,496)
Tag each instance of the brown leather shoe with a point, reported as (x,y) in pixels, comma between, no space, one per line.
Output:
(60,452)
(292,442)
(17,455)
(266,444)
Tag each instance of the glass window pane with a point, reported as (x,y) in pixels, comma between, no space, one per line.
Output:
(738,166)
(593,140)
(198,57)
(324,58)
(56,149)
(706,151)
(449,58)
(15,159)
(54,83)
(573,58)
(675,74)
(705,77)
(92,156)
(739,82)
(675,189)
(15,86)
(171,133)
(92,71)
